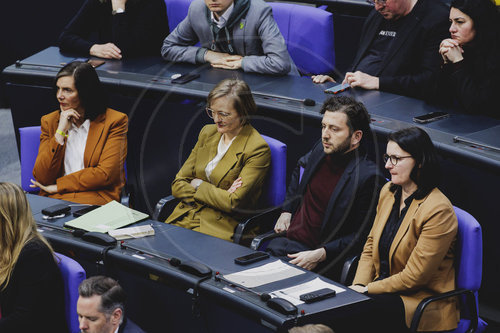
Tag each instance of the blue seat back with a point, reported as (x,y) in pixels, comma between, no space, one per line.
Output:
(275,187)
(469,262)
(73,274)
(308,33)
(30,141)
(176,12)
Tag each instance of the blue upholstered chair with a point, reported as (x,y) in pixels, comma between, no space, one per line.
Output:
(469,268)
(73,274)
(308,33)
(176,12)
(30,142)
(273,192)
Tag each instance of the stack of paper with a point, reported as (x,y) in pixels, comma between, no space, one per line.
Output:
(272,272)
(112,215)
(132,232)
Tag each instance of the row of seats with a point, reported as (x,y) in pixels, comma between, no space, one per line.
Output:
(469,239)
(308,33)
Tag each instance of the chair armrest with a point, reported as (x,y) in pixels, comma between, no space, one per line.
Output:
(126,196)
(258,240)
(164,207)
(470,300)
(265,221)
(348,270)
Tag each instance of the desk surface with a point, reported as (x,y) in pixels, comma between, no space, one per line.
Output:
(172,241)
(389,112)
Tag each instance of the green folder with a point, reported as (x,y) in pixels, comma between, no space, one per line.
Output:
(111,216)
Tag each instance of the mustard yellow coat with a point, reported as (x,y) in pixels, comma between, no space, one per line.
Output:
(420,258)
(210,209)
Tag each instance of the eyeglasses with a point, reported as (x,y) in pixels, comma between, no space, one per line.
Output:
(394,159)
(380,2)
(211,113)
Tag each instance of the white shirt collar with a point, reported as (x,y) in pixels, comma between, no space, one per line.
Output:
(223,19)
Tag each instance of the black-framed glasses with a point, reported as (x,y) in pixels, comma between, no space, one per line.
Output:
(394,159)
(380,2)
(211,113)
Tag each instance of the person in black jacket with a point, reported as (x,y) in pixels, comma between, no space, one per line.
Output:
(101,307)
(114,29)
(398,45)
(330,207)
(31,286)
(469,76)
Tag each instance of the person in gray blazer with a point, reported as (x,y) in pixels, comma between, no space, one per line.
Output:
(233,34)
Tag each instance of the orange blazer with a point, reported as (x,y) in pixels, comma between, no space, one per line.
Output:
(420,258)
(103,176)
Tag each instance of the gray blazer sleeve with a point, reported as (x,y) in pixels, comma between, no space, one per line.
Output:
(178,46)
(275,58)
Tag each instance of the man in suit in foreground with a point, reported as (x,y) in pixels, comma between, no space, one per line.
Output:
(330,207)
(233,34)
(398,49)
(101,307)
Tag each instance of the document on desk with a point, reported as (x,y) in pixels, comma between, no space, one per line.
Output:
(272,272)
(112,215)
(293,293)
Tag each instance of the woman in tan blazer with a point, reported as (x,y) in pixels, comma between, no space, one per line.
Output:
(409,252)
(221,181)
(83,145)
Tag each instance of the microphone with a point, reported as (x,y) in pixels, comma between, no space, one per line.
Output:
(172,260)
(305,101)
(75,232)
(19,64)
(263,296)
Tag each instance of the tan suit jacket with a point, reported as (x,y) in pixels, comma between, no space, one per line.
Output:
(218,211)
(420,258)
(103,176)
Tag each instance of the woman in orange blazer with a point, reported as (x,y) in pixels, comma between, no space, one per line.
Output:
(84,144)
(409,252)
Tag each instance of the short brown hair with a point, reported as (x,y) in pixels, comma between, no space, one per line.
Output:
(240,94)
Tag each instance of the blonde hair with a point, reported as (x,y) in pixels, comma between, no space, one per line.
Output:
(240,95)
(17,228)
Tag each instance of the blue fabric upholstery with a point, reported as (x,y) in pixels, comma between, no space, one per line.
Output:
(275,187)
(176,12)
(73,274)
(308,33)
(469,264)
(30,141)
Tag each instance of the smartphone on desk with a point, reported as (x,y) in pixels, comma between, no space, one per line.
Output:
(429,117)
(338,88)
(85,210)
(185,78)
(96,62)
(251,258)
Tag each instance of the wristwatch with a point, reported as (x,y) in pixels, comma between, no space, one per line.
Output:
(118,11)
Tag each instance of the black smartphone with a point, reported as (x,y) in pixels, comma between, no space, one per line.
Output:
(185,78)
(85,210)
(433,116)
(250,258)
(55,210)
(96,62)
(317,295)
(338,88)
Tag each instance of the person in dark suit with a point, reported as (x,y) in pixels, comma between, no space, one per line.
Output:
(114,29)
(31,285)
(101,307)
(328,211)
(398,46)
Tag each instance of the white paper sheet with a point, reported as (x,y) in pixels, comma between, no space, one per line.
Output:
(292,294)
(272,272)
